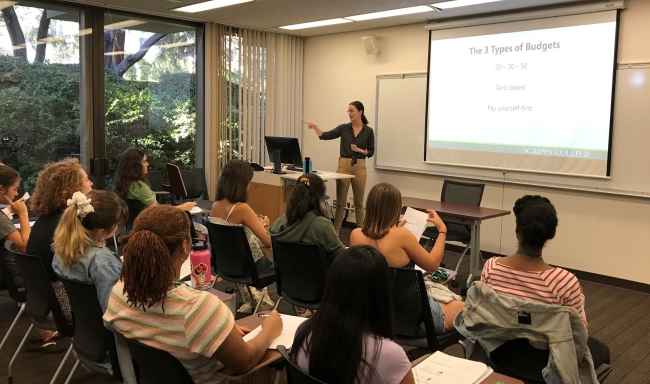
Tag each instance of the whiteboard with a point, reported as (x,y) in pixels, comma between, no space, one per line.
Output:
(400,126)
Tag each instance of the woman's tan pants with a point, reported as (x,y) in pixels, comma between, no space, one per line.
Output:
(358,190)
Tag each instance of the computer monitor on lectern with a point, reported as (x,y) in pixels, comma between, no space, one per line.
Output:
(287,148)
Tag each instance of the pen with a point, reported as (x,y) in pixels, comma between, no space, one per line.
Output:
(264,315)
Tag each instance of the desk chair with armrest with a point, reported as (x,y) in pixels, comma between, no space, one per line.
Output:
(188,184)
(155,366)
(459,193)
(300,271)
(41,301)
(233,261)
(17,294)
(295,375)
(411,310)
(91,341)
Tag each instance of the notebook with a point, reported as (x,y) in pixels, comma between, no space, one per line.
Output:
(441,368)
(290,325)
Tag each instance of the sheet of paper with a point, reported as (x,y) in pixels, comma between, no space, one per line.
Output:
(31,224)
(416,221)
(7,213)
(290,325)
(441,368)
(196,209)
(186,268)
(25,196)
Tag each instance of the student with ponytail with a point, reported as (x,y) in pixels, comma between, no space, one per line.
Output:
(149,304)
(304,220)
(357,143)
(80,252)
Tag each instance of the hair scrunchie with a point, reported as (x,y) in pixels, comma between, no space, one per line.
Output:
(82,203)
(304,180)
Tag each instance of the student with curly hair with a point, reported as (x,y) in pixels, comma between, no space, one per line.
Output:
(55,184)
(149,303)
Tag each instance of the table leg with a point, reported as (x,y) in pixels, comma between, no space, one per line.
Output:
(474,253)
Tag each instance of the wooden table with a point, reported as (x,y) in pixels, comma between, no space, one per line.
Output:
(491,379)
(466,214)
(270,356)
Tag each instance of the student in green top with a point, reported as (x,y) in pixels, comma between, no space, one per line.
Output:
(131,179)
(304,220)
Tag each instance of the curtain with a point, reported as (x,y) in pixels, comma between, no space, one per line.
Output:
(253,89)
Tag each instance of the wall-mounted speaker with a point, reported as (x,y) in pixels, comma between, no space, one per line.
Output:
(371,44)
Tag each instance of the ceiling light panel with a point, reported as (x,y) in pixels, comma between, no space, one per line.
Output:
(461,3)
(314,24)
(206,5)
(391,13)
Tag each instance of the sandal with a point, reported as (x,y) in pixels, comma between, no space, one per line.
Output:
(50,347)
(439,275)
(55,336)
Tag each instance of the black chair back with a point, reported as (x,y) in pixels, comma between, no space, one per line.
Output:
(411,306)
(91,340)
(462,193)
(16,294)
(192,229)
(295,375)
(41,299)
(155,180)
(300,271)
(154,366)
(176,184)
(135,207)
(195,185)
(232,258)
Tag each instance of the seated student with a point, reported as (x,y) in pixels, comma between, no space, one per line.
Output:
(231,209)
(55,184)
(526,275)
(383,230)
(304,220)
(131,179)
(149,304)
(9,182)
(80,252)
(350,338)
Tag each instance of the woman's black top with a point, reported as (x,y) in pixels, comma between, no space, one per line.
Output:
(364,140)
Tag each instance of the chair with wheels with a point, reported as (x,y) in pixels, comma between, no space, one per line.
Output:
(154,366)
(17,294)
(300,271)
(295,375)
(232,259)
(459,193)
(94,344)
(412,310)
(41,301)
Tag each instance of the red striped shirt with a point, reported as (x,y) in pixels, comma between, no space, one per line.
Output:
(555,286)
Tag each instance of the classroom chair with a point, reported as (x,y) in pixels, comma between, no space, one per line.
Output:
(459,193)
(155,366)
(411,310)
(295,375)
(91,340)
(17,294)
(135,206)
(41,301)
(188,184)
(300,271)
(232,259)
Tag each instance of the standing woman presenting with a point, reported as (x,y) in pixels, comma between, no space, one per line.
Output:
(357,143)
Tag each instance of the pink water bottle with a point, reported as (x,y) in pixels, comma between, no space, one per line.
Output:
(200,260)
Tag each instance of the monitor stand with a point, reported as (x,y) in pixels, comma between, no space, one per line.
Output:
(277,162)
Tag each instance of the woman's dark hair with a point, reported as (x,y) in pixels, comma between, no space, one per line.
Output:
(148,270)
(233,182)
(536,220)
(357,303)
(359,106)
(8,176)
(306,197)
(129,170)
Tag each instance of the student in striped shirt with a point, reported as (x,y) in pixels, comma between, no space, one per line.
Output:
(149,304)
(526,275)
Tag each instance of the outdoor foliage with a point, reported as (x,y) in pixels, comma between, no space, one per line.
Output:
(40,116)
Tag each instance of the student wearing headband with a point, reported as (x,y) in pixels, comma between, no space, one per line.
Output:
(305,221)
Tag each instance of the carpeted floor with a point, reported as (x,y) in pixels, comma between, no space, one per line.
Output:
(619,317)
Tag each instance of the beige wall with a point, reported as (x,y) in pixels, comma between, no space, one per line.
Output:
(599,234)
